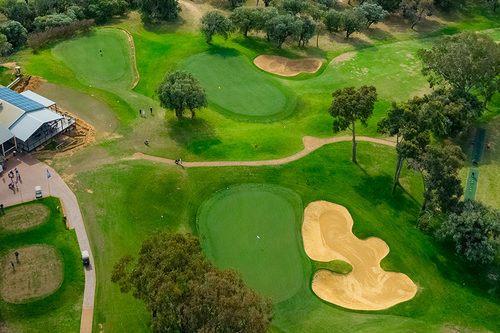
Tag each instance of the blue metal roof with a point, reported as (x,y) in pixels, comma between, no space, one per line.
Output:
(19,100)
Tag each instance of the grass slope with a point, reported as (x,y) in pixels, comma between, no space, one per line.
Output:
(146,196)
(61,311)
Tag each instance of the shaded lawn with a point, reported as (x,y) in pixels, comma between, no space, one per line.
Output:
(61,311)
(133,198)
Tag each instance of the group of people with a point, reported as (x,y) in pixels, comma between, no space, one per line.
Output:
(14,180)
(142,113)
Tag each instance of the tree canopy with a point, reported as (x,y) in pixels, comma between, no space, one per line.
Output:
(186,293)
(214,23)
(180,90)
(280,27)
(475,231)
(354,20)
(16,34)
(158,10)
(350,105)
(415,10)
(466,61)
(373,13)
(244,19)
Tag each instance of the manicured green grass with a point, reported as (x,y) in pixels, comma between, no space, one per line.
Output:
(62,310)
(132,198)
(236,88)
(111,66)
(472,180)
(252,229)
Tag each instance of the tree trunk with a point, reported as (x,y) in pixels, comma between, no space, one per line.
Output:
(398,171)
(354,143)
(178,113)
(317,40)
(246,33)
(193,114)
(257,5)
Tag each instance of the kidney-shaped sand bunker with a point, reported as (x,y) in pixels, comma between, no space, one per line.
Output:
(39,273)
(327,234)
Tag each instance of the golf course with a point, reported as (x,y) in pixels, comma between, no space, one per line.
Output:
(325,239)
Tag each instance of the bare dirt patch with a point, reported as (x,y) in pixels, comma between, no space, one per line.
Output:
(287,67)
(39,273)
(29,83)
(327,234)
(24,217)
(9,65)
(343,57)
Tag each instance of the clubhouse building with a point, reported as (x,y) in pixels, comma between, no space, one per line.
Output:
(27,120)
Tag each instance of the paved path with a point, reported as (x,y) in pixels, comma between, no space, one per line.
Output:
(310,144)
(34,173)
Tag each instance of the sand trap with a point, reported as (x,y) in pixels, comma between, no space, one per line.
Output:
(343,57)
(287,67)
(327,234)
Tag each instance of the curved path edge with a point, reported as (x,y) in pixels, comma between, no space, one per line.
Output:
(131,40)
(310,144)
(34,173)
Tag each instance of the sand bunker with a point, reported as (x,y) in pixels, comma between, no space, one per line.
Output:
(287,67)
(327,234)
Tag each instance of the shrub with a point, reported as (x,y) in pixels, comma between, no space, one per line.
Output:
(38,40)
(16,34)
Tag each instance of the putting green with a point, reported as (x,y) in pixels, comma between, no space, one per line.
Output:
(470,189)
(255,229)
(111,66)
(236,89)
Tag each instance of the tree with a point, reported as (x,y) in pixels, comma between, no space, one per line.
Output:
(181,90)
(213,23)
(236,3)
(42,23)
(158,10)
(244,19)
(466,61)
(185,292)
(415,10)
(282,26)
(264,15)
(373,13)
(350,105)
(333,20)
(307,30)
(102,10)
(439,168)
(448,5)
(17,11)
(354,20)
(294,7)
(389,5)
(16,34)
(475,231)
(5,46)
(407,122)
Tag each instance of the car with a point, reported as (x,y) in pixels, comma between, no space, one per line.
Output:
(38,191)
(85,258)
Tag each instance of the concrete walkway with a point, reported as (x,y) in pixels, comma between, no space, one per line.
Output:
(34,173)
(310,144)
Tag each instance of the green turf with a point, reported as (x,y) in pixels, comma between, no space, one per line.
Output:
(335,266)
(253,229)
(111,66)
(479,144)
(147,195)
(236,88)
(62,310)
(470,189)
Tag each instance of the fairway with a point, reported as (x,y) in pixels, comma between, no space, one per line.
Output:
(112,65)
(236,89)
(255,230)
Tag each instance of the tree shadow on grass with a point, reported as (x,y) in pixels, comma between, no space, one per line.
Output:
(481,278)
(165,27)
(380,35)
(356,42)
(196,136)
(223,52)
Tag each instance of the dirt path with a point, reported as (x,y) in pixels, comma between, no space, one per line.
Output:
(310,144)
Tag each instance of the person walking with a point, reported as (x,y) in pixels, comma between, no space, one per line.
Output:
(140,112)
(144,113)
(17,256)
(13,268)
(151,109)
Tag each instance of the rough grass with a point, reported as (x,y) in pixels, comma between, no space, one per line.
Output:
(61,311)
(24,217)
(38,273)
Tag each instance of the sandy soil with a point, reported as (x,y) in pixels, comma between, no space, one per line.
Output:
(38,273)
(24,217)
(287,67)
(327,234)
(10,65)
(343,57)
